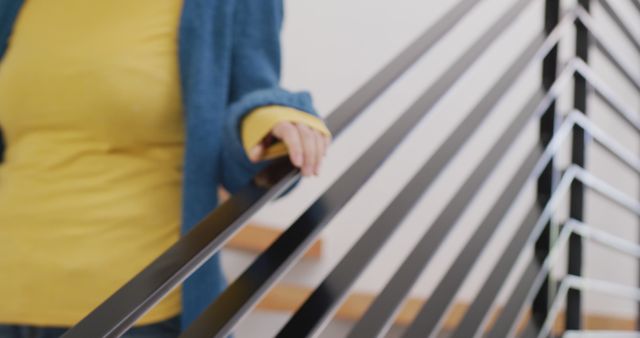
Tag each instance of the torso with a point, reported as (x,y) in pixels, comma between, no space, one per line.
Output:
(91,114)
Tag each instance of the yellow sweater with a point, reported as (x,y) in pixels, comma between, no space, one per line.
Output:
(90,186)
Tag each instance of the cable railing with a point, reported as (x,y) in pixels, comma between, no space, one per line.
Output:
(573,282)
(477,315)
(535,289)
(532,279)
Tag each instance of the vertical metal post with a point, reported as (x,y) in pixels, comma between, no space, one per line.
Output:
(547,181)
(574,318)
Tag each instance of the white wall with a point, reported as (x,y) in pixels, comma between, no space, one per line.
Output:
(333,46)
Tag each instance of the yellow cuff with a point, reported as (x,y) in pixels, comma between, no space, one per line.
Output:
(259,123)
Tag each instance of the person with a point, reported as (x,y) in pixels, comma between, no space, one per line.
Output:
(119,120)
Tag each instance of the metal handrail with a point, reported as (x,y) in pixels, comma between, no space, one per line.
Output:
(574,282)
(444,293)
(477,315)
(532,279)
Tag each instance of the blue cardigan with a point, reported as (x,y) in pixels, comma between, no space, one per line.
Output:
(229,52)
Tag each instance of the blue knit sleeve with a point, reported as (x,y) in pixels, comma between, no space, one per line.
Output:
(1,147)
(255,76)
(8,13)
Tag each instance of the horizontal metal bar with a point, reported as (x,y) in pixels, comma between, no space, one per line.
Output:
(221,316)
(636,4)
(604,238)
(605,48)
(324,301)
(608,95)
(601,334)
(618,64)
(438,230)
(505,325)
(607,142)
(608,191)
(530,330)
(376,320)
(601,88)
(424,322)
(397,289)
(601,286)
(621,25)
(372,89)
(432,313)
(512,310)
(121,310)
(431,316)
(584,284)
(476,316)
(599,236)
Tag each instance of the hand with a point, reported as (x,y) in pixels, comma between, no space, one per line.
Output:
(306,146)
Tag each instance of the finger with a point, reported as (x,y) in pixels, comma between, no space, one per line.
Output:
(257,153)
(309,149)
(320,151)
(290,136)
(327,141)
